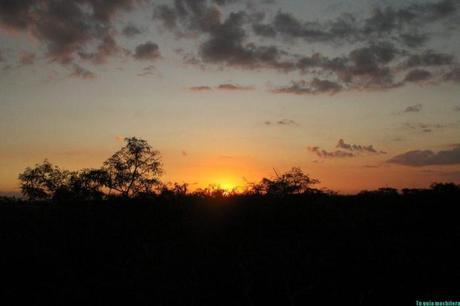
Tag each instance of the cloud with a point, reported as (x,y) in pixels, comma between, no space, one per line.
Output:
(457,108)
(225,2)
(27,58)
(166,15)
(453,75)
(341,144)
(131,31)
(393,40)
(374,67)
(228,86)
(420,158)
(390,40)
(365,68)
(81,73)
(226,45)
(428,59)
(316,86)
(147,71)
(148,51)
(64,27)
(224,86)
(413,108)
(418,75)
(187,15)
(282,122)
(413,40)
(14,14)
(226,39)
(383,23)
(107,48)
(330,154)
(200,88)
(286,122)
(426,127)
(345,150)
(286,24)
(264,30)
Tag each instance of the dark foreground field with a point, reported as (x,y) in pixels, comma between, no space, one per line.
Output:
(314,250)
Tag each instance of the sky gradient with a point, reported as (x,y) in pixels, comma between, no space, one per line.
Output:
(359,94)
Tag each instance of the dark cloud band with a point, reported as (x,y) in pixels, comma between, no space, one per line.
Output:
(419,158)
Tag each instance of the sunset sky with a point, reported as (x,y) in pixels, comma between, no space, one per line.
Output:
(360,94)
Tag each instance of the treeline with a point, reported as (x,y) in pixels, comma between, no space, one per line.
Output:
(134,172)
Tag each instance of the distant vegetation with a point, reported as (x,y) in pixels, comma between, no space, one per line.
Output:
(130,172)
(134,172)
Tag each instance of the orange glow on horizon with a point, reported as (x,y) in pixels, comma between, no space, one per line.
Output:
(233,173)
(227,184)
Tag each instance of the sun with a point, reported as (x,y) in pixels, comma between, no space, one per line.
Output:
(227,184)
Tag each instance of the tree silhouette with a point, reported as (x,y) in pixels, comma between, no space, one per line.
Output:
(42,181)
(134,169)
(293,181)
(173,190)
(85,185)
(212,191)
